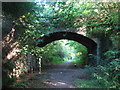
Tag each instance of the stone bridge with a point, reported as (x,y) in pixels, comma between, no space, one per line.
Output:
(90,44)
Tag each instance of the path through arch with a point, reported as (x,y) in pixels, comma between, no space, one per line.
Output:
(87,42)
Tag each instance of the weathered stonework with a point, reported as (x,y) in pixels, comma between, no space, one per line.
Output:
(90,44)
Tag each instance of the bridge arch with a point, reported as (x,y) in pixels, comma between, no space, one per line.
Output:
(87,42)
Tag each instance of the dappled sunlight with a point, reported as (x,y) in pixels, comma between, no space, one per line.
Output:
(10,45)
(67,44)
(64,51)
(9,37)
(81,31)
(13,53)
(20,68)
(59,84)
(55,84)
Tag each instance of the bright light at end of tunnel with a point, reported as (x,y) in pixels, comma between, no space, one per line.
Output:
(69,61)
(68,48)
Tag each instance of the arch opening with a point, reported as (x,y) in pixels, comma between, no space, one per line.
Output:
(87,42)
(65,51)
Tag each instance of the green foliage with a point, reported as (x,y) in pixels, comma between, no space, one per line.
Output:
(80,52)
(59,51)
(6,69)
(109,74)
(53,53)
(112,54)
(99,19)
(66,15)
(46,17)
(83,83)
(20,84)
(17,9)
(78,61)
(115,38)
(8,65)
(5,77)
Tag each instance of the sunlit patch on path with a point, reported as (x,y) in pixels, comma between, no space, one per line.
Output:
(58,84)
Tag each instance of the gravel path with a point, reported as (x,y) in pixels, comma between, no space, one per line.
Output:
(60,76)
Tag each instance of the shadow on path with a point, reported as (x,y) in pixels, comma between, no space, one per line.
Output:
(60,76)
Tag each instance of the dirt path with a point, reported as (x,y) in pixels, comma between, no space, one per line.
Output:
(60,76)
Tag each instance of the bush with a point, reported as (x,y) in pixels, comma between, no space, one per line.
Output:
(109,74)
(19,84)
(6,69)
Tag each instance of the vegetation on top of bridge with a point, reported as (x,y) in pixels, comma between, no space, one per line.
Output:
(27,22)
